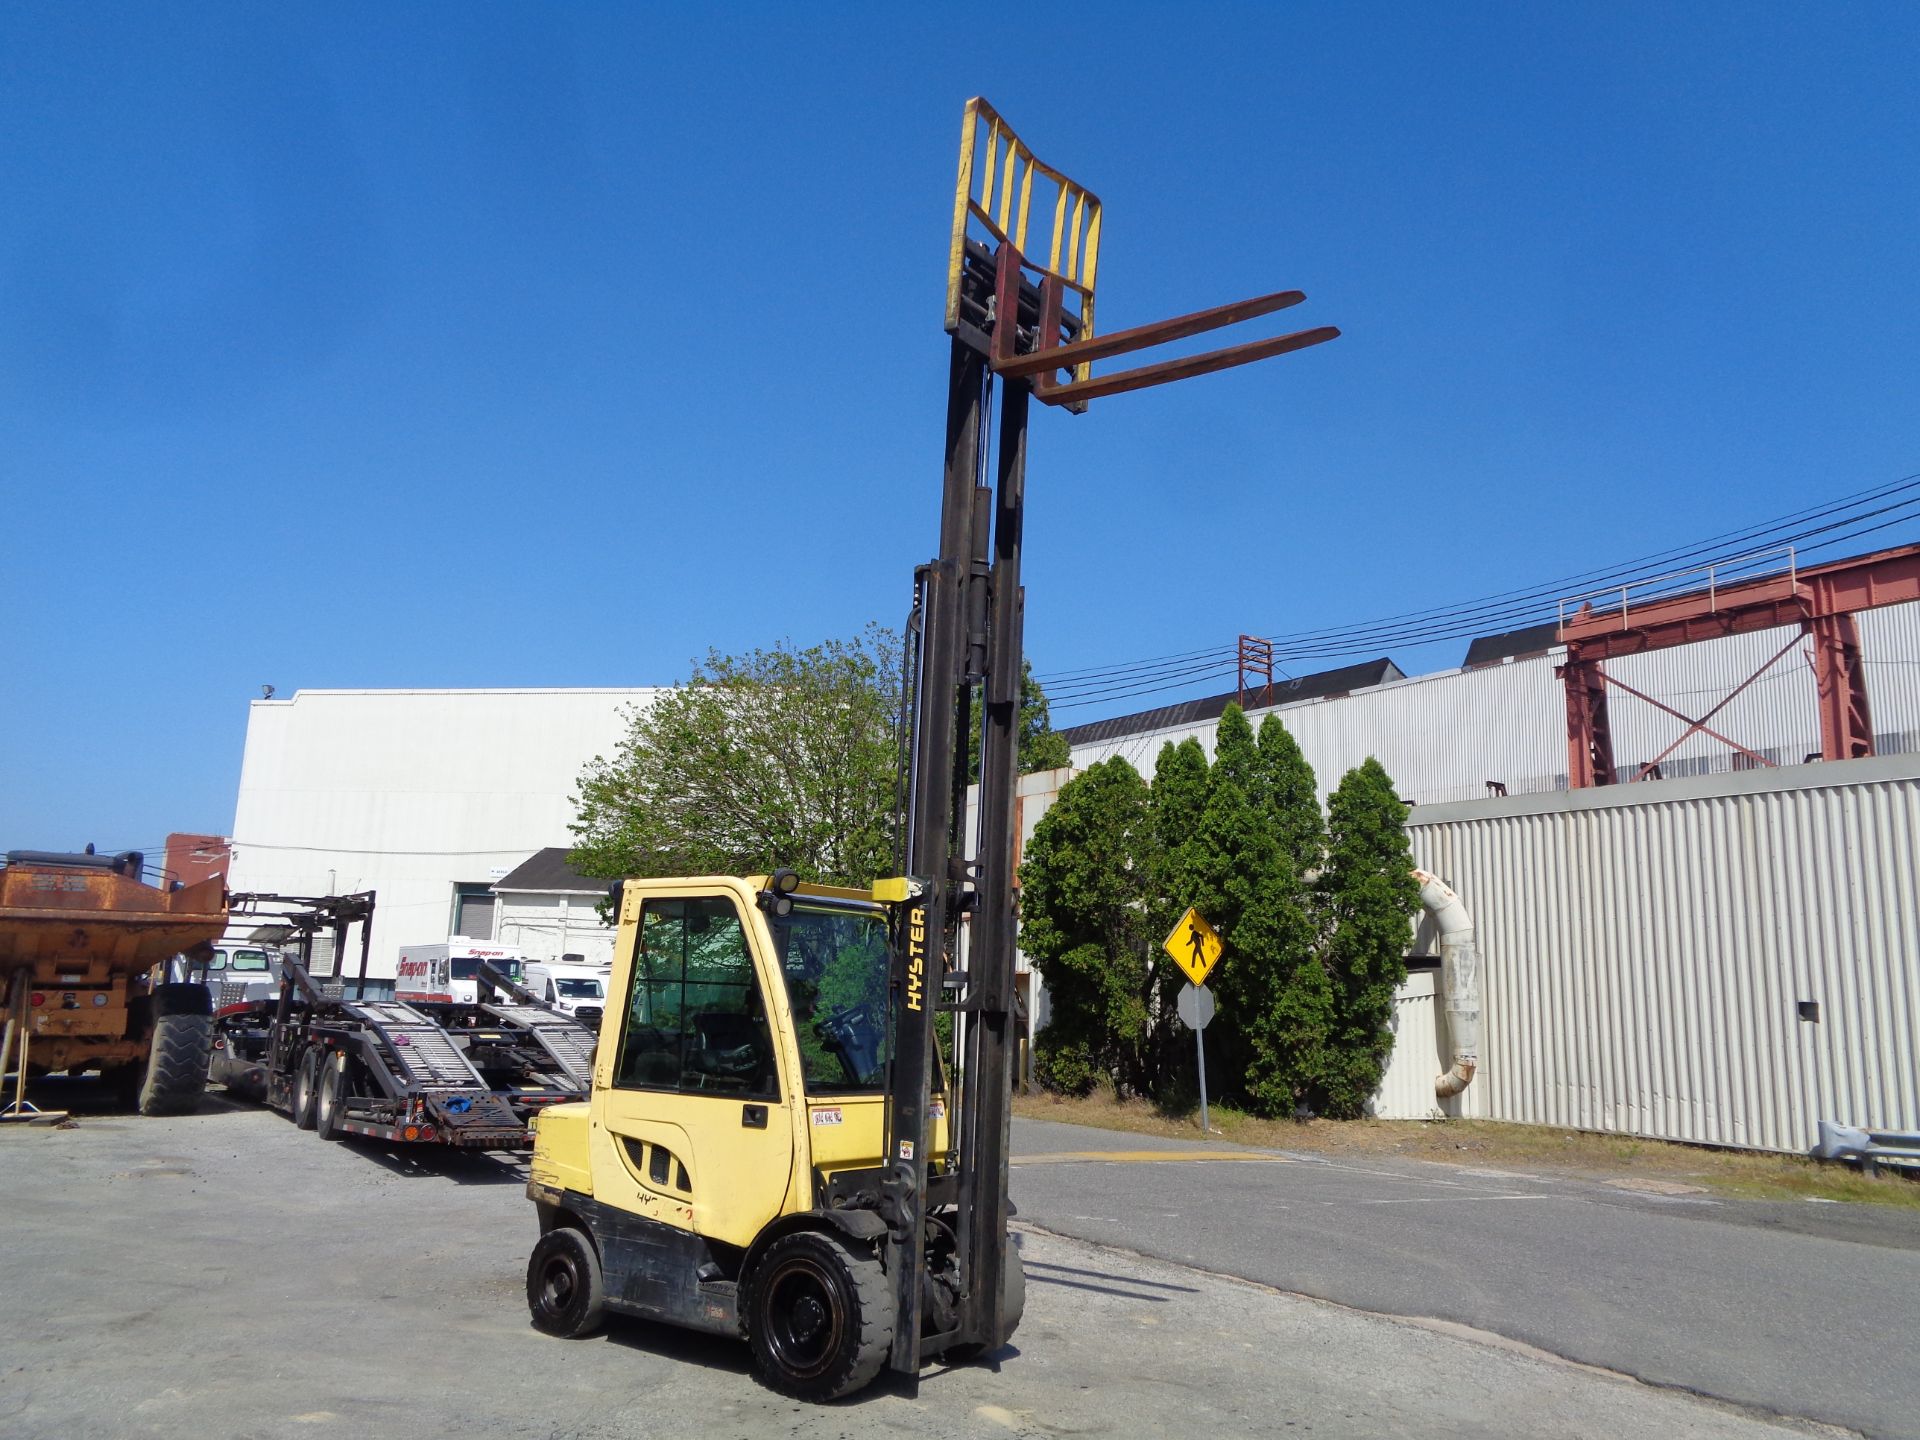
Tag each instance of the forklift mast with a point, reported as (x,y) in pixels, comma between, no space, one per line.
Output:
(1029,326)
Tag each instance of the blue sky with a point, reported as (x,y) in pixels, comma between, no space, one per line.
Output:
(535,345)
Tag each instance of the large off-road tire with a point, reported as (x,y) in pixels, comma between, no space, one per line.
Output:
(1013,1304)
(306,1084)
(330,1097)
(820,1316)
(176,1074)
(565,1292)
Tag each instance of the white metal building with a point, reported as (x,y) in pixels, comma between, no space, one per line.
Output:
(1726,955)
(1445,735)
(427,797)
(435,798)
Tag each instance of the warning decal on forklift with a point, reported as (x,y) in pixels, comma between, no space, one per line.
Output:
(827,1115)
(906,1149)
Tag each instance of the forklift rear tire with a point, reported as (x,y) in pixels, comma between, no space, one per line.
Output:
(330,1097)
(306,1081)
(820,1316)
(565,1292)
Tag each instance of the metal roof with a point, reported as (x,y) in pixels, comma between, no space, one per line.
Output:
(1513,644)
(1319,686)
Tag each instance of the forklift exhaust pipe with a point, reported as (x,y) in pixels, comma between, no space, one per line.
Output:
(1460,976)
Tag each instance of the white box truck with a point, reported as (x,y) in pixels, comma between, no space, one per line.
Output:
(448,970)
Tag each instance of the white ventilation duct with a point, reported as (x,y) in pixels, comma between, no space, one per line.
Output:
(1459,978)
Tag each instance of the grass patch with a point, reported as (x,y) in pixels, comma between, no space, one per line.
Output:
(1745,1174)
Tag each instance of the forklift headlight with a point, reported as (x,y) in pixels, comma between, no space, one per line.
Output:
(785,882)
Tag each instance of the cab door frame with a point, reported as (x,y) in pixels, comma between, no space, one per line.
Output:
(719,1139)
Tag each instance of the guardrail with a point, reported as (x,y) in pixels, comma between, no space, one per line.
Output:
(1870,1149)
(1740,569)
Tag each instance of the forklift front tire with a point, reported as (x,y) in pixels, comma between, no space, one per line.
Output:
(820,1316)
(565,1292)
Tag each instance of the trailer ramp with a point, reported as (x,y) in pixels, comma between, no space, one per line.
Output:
(423,1051)
(464,1108)
(565,1041)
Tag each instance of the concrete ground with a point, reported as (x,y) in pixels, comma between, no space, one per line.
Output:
(226,1275)
(1809,1310)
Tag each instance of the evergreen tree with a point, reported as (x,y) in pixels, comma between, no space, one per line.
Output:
(1084,923)
(1176,804)
(1293,795)
(1369,896)
(1254,896)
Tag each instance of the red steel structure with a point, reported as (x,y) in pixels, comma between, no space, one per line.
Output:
(1820,601)
(1255,663)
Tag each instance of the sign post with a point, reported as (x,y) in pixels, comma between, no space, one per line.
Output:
(1195,947)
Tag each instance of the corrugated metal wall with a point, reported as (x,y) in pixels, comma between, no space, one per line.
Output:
(1406,1090)
(1644,950)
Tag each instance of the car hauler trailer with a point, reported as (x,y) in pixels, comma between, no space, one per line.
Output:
(463,1073)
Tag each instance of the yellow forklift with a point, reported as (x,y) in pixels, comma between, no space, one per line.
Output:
(774,1147)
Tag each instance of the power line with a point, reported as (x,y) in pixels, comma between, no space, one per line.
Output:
(1077,689)
(1548,590)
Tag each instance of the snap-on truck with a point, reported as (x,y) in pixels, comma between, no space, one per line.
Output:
(450,969)
(84,946)
(775,1147)
(467,1073)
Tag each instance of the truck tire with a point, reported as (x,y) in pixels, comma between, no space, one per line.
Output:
(1013,1304)
(306,1081)
(330,1097)
(565,1292)
(820,1316)
(177,1063)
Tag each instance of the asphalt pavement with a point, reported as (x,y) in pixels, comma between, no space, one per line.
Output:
(1795,1309)
(227,1275)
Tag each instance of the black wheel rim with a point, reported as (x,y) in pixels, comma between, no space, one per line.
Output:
(558,1285)
(805,1316)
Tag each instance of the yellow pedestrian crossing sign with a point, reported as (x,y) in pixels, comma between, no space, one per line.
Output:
(1194,946)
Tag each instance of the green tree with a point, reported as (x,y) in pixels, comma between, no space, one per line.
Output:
(1175,806)
(1084,887)
(778,757)
(1369,897)
(1292,795)
(1041,746)
(1272,1003)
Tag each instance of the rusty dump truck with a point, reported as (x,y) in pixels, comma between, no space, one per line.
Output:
(84,951)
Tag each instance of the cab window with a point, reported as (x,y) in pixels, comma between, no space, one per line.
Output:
(696,1021)
(835,962)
